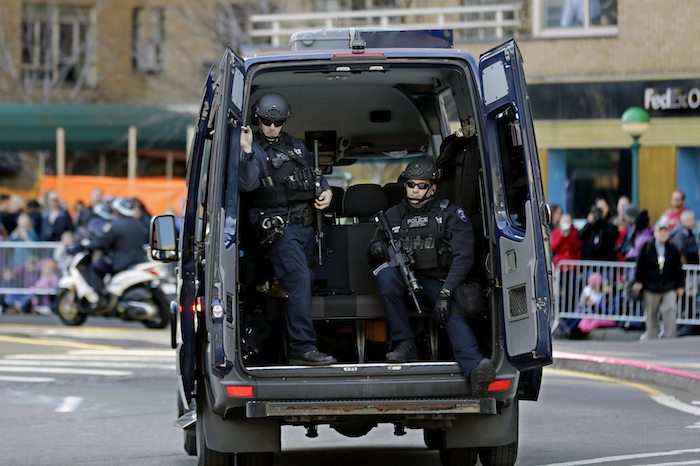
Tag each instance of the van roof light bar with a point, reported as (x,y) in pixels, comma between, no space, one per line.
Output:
(357,40)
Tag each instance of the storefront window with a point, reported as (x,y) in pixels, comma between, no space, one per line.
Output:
(594,173)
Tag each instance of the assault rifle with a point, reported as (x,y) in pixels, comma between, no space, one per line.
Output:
(399,258)
(319,214)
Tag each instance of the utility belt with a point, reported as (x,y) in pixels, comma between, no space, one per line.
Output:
(297,187)
(272,222)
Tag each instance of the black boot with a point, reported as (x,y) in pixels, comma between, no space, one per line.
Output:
(405,351)
(481,377)
(312,358)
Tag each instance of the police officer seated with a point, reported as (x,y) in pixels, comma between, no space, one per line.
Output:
(277,170)
(440,238)
(122,240)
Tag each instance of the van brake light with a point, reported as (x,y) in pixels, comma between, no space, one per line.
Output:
(500,385)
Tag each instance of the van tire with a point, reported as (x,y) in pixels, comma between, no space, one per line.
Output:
(458,456)
(434,438)
(206,456)
(499,456)
(255,459)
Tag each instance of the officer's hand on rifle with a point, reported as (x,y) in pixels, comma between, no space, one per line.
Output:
(442,306)
(324,200)
(378,249)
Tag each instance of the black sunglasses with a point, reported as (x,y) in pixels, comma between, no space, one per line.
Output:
(411,185)
(267,122)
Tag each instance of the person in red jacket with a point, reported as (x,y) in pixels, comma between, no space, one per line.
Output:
(565,241)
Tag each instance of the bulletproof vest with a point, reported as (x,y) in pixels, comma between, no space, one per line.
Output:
(424,235)
(290,181)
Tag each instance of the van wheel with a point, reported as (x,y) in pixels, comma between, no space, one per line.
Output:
(458,456)
(190,436)
(205,456)
(68,308)
(434,438)
(255,459)
(499,456)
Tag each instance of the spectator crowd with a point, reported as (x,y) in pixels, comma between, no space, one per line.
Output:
(658,250)
(46,219)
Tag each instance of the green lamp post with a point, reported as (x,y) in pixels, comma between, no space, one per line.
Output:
(635,122)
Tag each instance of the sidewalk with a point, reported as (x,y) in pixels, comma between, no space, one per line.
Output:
(672,363)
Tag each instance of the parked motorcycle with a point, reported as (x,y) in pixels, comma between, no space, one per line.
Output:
(141,293)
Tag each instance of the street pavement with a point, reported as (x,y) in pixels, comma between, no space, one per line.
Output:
(669,362)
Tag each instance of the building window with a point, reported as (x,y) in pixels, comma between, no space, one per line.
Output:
(58,44)
(567,18)
(148,36)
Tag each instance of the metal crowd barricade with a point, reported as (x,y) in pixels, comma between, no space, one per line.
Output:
(618,303)
(29,267)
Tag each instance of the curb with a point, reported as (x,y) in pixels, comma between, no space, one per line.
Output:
(629,370)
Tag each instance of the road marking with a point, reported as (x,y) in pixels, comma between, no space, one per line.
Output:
(608,459)
(89,357)
(656,395)
(66,370)
(69,404)
(604,378)
(11,378)
(82,363)
(50,342)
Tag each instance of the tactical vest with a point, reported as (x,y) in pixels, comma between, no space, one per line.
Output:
(290,181)
(425,235)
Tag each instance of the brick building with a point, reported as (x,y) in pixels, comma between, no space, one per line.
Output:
(586,60)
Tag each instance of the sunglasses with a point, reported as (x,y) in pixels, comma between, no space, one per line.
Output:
(411,185)
(267,122)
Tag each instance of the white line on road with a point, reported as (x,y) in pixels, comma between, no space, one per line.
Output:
(79,363)
(11,378)
(90,357)
(69,404)
(672,402)
(62,370)
(609,459)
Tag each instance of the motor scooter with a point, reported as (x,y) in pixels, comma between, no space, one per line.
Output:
(140,293)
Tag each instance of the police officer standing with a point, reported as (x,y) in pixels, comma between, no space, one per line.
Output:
(122,240)
(441,240)
(277,169)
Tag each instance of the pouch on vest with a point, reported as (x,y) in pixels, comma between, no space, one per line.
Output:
(471,300)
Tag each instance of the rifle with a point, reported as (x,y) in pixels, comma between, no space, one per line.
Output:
(319,215)
(399,258)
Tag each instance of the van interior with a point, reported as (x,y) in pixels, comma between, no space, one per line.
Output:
(370,119)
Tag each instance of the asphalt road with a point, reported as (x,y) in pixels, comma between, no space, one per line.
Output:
(105,395)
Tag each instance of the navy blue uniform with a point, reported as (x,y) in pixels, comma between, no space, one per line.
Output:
(288,254)
(458,235)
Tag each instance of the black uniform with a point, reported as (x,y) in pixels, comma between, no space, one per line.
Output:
(441,239)
(123,241)
(280,180)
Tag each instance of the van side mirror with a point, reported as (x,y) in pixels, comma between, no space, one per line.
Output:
(164,239)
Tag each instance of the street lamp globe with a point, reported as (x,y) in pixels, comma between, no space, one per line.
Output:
(635,121)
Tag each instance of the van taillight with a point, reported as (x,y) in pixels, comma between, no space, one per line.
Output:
(500,385)
(239,390)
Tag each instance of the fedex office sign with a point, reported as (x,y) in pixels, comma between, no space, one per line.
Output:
(672,98)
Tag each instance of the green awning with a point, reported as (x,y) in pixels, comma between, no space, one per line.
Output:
(92,127)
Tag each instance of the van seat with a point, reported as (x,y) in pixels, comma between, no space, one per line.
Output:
(395,192)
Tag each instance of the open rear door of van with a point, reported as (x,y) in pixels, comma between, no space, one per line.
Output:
(521,215)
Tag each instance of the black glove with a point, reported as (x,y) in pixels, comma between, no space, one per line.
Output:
(377,249)
(442,307)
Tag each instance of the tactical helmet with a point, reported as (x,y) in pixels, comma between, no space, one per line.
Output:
(126,207)
(103,210)
(272,106)
(424,169)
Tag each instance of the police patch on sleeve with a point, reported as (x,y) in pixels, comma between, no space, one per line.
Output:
(462,216)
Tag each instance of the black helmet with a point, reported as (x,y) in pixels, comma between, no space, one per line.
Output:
(424,169)
(272,107)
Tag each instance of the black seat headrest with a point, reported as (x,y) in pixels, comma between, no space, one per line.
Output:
(337,200)
(364,200)
(395,192)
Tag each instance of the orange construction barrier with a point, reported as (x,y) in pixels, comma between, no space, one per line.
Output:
(156,193)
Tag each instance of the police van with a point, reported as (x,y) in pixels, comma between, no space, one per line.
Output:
(361,98)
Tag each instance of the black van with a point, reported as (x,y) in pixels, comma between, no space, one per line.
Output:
(374,100)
